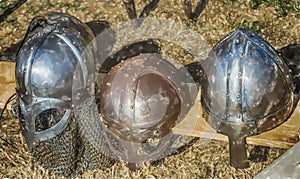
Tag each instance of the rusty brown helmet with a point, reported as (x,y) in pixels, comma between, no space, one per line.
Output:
(146,105)
(143,98)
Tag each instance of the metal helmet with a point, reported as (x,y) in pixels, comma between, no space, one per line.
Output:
(53,68)
(247,89)
(142,99)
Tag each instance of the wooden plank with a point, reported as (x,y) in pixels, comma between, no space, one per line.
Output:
(286,166)
(7,81)
(284,136)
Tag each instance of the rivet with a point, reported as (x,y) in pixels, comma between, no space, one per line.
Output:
(132,91)
(156,132)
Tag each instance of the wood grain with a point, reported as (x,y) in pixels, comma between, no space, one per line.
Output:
(284,136)
(7,81)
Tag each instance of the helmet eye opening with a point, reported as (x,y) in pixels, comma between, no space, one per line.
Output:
(48,118)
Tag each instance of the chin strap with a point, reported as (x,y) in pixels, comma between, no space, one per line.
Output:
(11,98)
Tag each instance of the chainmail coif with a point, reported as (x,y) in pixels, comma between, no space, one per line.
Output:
(82,145)
(71,153)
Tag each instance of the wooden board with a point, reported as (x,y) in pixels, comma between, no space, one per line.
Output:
(284,136)
(7,81)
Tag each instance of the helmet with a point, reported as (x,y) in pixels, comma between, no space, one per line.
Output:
(142,99)
(247,88)
(52,69)
(246,81)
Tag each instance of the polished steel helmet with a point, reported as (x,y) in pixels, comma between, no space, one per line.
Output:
(142,99)
(53,70)
(247,89)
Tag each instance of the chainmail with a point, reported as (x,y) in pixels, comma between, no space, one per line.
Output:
(82,146)
(70,153)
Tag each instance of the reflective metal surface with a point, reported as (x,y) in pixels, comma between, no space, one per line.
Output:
(142,99)
(247,89)
(138,104)
(53,71)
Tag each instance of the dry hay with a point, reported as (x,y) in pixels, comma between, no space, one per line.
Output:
(205,159)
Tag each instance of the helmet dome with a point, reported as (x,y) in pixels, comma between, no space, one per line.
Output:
(53,66)
(139,104)
(247,89)
(246,81)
